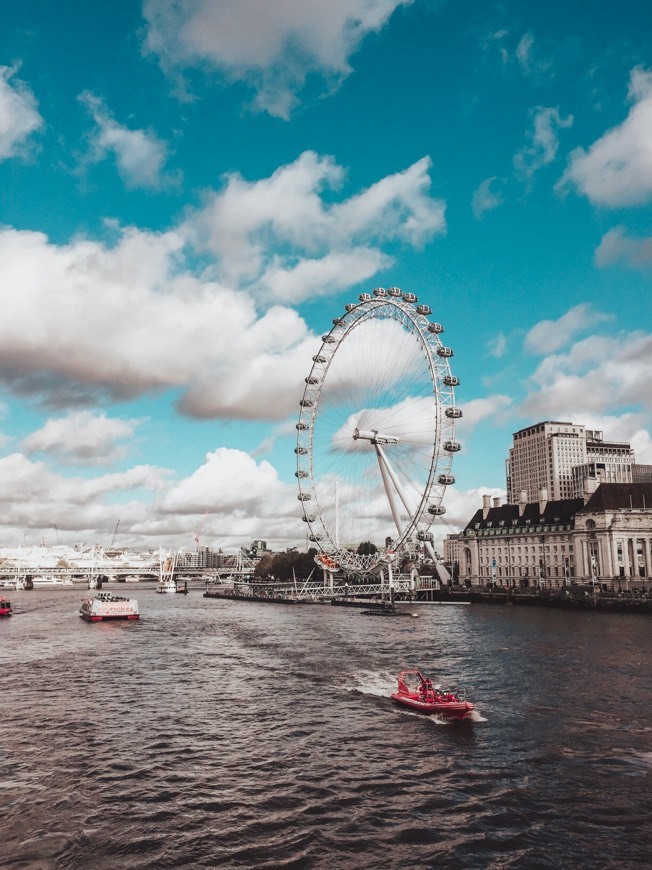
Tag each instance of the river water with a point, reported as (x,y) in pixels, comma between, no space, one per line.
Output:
(230,734)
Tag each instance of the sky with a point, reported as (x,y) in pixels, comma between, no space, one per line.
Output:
(191,192)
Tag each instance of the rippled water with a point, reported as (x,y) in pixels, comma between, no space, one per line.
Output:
(242,735)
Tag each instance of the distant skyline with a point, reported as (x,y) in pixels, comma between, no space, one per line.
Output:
(191,192)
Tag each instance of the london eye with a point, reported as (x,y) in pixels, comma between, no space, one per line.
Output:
(376,432)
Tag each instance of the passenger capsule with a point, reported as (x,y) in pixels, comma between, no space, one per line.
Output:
(302,427)
(409,297)
(318,357)
(315,537)
(395,291)
(309,518)
(304,496)
(311,379)
(380,292)
(424,309)
(328,339)
(365,297)
(446,479)
(301,451)
(452,446)
(451,380)
(425,536)
(445,351)
(349,306)
(436,510)
(306,403)
(437,328)
(453,413)
(302,475)
(338,321)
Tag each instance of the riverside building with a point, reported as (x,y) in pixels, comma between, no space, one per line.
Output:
(561,457)
(604,537)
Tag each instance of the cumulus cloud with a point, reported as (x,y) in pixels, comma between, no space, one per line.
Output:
(229,482)
(274,47)
(597,373)
(617,169)
(616,247)
(119,321)
(19,115)
(23,481)
(543,141)
(139,154)
(480,410)
(548,336)
(487,196)
(93,320)
(33,497)
(82,438)
(246,225)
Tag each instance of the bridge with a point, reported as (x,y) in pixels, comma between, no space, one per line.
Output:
(404,586)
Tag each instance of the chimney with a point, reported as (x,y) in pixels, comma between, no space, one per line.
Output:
(497,502)
(486,504)
(590,486)
(543,500)
(522,501)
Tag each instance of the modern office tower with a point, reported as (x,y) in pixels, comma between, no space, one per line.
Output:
(564,459)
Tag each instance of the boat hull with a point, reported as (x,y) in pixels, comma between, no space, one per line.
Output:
(89,617)
(449,709)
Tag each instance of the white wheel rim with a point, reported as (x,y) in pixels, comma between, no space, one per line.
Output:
(381,369)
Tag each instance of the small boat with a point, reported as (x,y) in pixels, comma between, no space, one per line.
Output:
(417,692)
(166,582)
(387,609)
(106,606)
(5,606)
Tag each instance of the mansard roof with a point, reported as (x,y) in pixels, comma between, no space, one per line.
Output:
(620,496)
(607,497)
(559,511)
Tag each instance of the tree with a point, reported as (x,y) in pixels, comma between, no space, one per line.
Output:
(366,548)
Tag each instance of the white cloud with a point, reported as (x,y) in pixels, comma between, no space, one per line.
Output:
(89,320)
(92,320)
(321,277)
(548,336)
(82,438)
(25,482)
(596,374)
(231,482)
(544,141)
(274,47)
(140,155)
(19,115)
(524,51)
(480,410)
(487,196)
(615,247)
(245,225)
(497,346)
(617,169)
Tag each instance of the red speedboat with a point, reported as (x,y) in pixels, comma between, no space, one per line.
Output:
(5,606)
(417,692)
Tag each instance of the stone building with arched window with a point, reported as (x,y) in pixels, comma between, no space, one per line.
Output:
(604,537)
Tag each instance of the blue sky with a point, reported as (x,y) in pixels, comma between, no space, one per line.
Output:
(191,192)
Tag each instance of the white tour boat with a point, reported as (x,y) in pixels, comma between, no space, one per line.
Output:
(166,581)
(106,605)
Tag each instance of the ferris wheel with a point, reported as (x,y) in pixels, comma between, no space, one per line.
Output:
(376,432)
